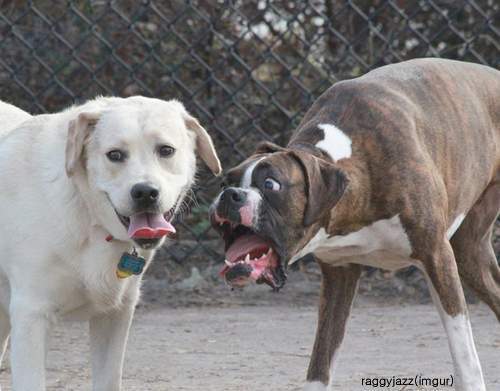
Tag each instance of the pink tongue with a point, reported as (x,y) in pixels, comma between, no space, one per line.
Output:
(244,245)
(149,226)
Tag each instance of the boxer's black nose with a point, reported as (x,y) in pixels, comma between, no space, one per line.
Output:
(144,195)
(233,198)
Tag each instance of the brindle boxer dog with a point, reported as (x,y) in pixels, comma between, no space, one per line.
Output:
(395,168)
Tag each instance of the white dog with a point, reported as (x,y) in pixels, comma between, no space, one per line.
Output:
(86,195)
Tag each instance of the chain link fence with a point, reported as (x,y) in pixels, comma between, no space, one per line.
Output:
(247,69)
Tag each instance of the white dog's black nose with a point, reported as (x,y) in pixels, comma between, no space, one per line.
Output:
(144,195)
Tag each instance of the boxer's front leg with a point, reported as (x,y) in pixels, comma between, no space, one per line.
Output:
(448,296)
(338,288)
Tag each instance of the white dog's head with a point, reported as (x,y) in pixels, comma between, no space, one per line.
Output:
(138,158)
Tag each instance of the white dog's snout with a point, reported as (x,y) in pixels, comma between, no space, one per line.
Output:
(145,194)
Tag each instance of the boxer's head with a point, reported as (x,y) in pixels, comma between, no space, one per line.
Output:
(271,205)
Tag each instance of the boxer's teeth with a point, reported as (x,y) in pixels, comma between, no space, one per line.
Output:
(247,258)
(227,262)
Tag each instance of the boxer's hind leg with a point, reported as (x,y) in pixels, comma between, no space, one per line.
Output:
(441,271)
(476,260)
(338,289)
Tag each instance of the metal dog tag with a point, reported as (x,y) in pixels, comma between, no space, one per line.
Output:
(130,264)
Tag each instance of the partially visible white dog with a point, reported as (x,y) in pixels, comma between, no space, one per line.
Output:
(112,169)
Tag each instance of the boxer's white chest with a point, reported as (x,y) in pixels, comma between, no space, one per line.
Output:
(383,244)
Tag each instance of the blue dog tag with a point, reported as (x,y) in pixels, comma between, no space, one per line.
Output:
(130,264)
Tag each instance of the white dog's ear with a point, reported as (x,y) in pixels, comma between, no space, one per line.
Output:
(204,144)
(78,132)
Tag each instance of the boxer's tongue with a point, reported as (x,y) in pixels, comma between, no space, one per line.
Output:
(246,244)
(149,226)
(249,258)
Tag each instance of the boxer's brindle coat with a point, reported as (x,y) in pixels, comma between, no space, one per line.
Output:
(398,167)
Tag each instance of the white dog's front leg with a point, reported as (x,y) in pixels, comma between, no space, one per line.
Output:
(108,339)
(29,339)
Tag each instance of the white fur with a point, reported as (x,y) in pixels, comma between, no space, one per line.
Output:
(314,386)
(254,197)
(336,143)
(468,372)
(317,241)
(10,117)
(55,261)
(383,244)
(455,225)
(246,179)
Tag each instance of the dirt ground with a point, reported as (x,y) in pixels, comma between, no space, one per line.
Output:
(247,348)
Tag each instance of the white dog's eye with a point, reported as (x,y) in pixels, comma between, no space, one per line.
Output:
(116,155)
(271,184)
(165,150)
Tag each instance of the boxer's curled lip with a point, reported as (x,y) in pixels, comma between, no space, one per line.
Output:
(255,256)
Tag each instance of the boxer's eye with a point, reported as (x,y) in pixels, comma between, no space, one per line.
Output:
(271,184)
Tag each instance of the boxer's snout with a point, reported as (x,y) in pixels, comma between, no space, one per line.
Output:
(230,204)
(234,198)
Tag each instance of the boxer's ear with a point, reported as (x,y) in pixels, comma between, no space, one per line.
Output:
(268,147)
(325,184)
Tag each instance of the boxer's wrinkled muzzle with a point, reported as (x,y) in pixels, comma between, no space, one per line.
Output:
(249,257)
(231,200)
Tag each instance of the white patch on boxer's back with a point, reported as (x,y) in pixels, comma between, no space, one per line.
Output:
(336,143)
(455,225)
(383,244)
(246,179)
